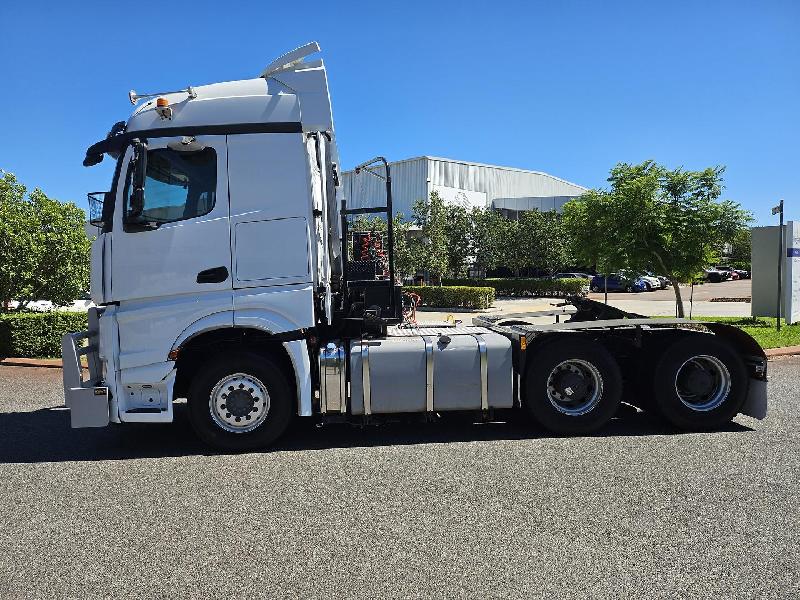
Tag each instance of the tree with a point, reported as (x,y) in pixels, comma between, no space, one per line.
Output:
(459,232)
(44,252)
(403,256)
(489,241)
(430,250)
(653,218)
(741,249)
(587,221)
(543,240)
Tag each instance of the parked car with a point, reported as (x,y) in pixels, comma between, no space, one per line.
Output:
(715,275)
(651,283)
(739,273)
(616,283)
(663,282)
(647,282)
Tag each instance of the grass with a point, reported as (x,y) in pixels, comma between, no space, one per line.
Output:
(763,330)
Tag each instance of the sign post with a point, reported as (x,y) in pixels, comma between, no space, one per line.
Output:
(779,210)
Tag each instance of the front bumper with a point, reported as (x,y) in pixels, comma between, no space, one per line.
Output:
(87,399)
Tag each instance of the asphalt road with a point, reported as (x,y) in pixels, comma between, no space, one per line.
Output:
(445,510)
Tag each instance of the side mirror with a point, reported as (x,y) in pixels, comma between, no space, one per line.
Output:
(138,179)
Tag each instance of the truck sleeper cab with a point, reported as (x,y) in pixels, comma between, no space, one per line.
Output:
(224,273)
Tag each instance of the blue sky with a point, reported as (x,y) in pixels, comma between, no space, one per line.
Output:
(569,88)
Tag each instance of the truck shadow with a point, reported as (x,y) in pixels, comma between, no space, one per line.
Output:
(45,436)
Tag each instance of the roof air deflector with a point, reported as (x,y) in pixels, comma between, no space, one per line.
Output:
(290,61)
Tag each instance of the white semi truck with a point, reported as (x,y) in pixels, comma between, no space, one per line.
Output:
(222,274)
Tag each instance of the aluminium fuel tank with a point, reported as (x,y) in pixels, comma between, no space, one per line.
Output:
(419,369)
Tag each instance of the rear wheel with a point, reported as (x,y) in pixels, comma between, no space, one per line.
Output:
(240,402)
(699,383)
(572,386)
(629,288)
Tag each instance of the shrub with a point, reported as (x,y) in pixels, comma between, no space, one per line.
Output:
(453,296)
(557,288)
(37,334)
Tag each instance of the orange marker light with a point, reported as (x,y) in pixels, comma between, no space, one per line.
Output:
(162,102)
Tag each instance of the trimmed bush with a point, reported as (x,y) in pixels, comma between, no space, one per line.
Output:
(453,296)
(555,288)
(37,334)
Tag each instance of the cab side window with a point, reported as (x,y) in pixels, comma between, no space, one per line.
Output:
(178,186)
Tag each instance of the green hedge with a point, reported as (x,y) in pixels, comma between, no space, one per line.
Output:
(527,287)
(453,296)
(37,334)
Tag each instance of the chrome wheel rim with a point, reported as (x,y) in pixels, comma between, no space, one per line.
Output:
(239,403)
(703,383)
(574,387)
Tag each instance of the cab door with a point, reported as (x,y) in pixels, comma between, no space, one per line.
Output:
(171,259)
(180,241)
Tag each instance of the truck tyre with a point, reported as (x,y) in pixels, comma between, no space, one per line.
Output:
(240,401)
(572,386)
(699,383)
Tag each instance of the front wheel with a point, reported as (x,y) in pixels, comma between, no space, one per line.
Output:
(699,383)
(628,288)
(572,386)
(240,401)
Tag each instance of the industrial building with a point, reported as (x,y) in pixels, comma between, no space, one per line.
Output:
(506,189)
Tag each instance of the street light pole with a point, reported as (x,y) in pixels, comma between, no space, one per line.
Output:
(779,210)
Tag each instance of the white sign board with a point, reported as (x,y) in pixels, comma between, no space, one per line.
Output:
(459,197)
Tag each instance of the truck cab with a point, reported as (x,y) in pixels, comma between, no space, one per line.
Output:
(226,273)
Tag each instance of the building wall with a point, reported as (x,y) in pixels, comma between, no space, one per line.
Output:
(502,187)
(409,183)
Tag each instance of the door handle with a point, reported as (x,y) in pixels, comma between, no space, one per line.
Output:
(215,275)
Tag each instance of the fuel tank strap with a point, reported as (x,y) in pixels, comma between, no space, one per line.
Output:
(365,378)
(484,370)
(428,373)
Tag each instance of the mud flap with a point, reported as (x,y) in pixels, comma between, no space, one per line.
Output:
(756,403)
